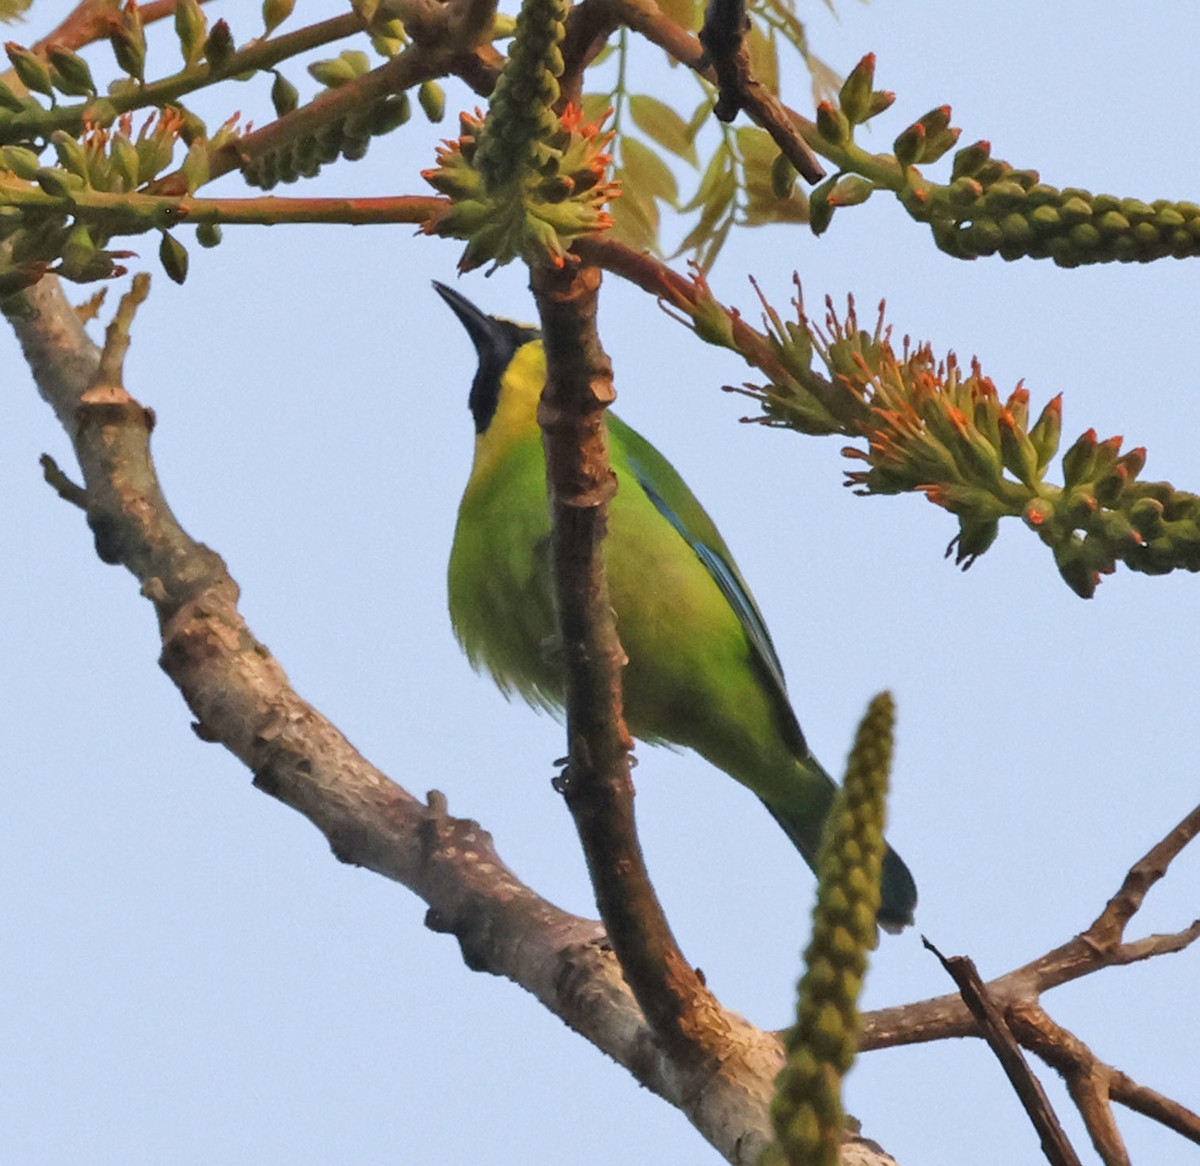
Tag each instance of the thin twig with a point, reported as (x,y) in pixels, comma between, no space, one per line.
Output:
(795,135)
(1101,945)
(67,490)
(1154,1105)
(1109,927)
(93,20)
(724,39)
(990,1019)
(117,336)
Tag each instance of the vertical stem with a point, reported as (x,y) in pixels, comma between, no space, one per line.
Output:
(597,784)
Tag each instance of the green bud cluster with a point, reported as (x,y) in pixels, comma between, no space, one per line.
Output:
(807,1109)
(43,218)
(1103,515)
(800,397)
(539,213)
(346,137)
(345,67)
(990,208)
(388,35)
(858,102)
(936,428)
(51,71)
(521,117)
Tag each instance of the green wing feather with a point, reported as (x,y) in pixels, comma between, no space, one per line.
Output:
(674,500)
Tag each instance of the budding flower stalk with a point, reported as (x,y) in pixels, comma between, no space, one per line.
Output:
(807,1110)
(937,428)
(524,182)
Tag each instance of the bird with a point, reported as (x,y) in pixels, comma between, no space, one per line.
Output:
(702,671)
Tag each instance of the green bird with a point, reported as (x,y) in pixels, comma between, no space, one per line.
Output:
(702,670)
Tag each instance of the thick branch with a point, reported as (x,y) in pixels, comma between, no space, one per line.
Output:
(242,699)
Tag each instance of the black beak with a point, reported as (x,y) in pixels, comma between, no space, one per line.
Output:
(486,332)
(496,342)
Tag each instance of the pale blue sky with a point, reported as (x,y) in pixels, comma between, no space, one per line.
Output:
(188,976)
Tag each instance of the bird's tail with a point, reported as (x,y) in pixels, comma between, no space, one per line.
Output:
(899,889)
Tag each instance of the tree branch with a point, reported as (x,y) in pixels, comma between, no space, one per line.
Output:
(241,698)
(1092,1084)
(597,783)
(995,1030)
(793,133)
(724,39)
(1101,945)
(93,20)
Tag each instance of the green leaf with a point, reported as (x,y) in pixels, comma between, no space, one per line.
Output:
(697,120)
(760,162)
(662,124)
(687,14)
(707,255)
(12,10)
(756,146)
(717,206)
(594,104)
(635,218)
(763,48)
(647,172)
(719,170)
